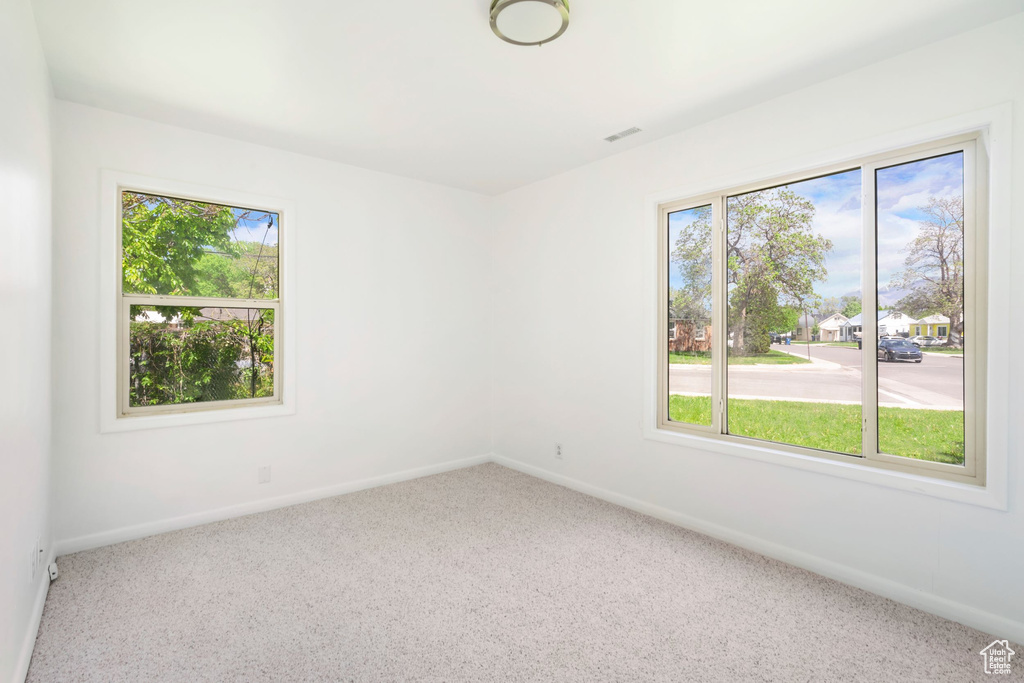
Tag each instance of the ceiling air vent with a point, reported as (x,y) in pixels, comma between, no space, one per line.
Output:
(622,134)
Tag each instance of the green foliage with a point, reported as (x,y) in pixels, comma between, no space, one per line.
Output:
(851,306)
(788,318)
(163,240)
(773,258)
(195,359)
(691,254)
(251,273)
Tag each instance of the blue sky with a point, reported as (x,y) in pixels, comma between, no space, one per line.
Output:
(902,192)
(837,217)
(676,222)
(254,227)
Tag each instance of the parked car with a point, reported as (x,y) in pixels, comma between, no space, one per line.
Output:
(898,349)
(923,340)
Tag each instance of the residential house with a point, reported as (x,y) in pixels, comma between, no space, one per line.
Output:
(851,329)
(889,323)
(894,323)
(804,329)
(932,326)
(688,335)
(830,328)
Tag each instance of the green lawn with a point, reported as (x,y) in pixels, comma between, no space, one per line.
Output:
(935,435)
(704,358)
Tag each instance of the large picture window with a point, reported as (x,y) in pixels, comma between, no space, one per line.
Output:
(834,313)
(199,304)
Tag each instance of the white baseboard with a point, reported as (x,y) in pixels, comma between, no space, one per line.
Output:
(28,644)
(993,624)
(130,533)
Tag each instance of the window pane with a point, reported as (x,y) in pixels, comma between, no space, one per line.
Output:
(793,271)
(192,355)
(689,316)
(188,248)
(921,288)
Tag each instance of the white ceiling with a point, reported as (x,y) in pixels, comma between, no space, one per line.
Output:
(422,88)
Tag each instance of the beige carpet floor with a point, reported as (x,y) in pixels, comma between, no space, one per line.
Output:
(483,574)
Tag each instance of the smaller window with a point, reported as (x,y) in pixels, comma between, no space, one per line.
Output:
(199,304)
(699,333)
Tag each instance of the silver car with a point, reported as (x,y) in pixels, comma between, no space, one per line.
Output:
(923,340)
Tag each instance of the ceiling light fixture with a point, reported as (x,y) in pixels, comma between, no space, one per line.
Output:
(529,22)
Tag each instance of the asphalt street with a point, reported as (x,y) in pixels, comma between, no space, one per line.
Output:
(835,375)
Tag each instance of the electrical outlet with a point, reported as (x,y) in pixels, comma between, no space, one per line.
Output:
(558,451)
(264,473)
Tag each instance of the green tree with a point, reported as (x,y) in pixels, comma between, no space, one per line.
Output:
(851,305)
(691,255)
(773,258)
(197,359)
(164,239)
(828,306)
(933,270)
(250,272)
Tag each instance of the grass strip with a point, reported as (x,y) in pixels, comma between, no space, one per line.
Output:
(933,435)
(704,358)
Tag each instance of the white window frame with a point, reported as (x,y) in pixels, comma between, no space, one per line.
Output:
(115,413)
(699,332)
(987,485)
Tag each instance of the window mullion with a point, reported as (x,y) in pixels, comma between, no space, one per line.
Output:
(975,335)
(869,315)
(720,335)
(198,302)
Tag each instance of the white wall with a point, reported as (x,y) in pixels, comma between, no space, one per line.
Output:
(570,260)
(25,340)
(391,335)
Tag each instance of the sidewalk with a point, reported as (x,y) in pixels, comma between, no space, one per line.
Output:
(801,352)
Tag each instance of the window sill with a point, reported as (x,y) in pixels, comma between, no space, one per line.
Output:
(193,417)
(982,496)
